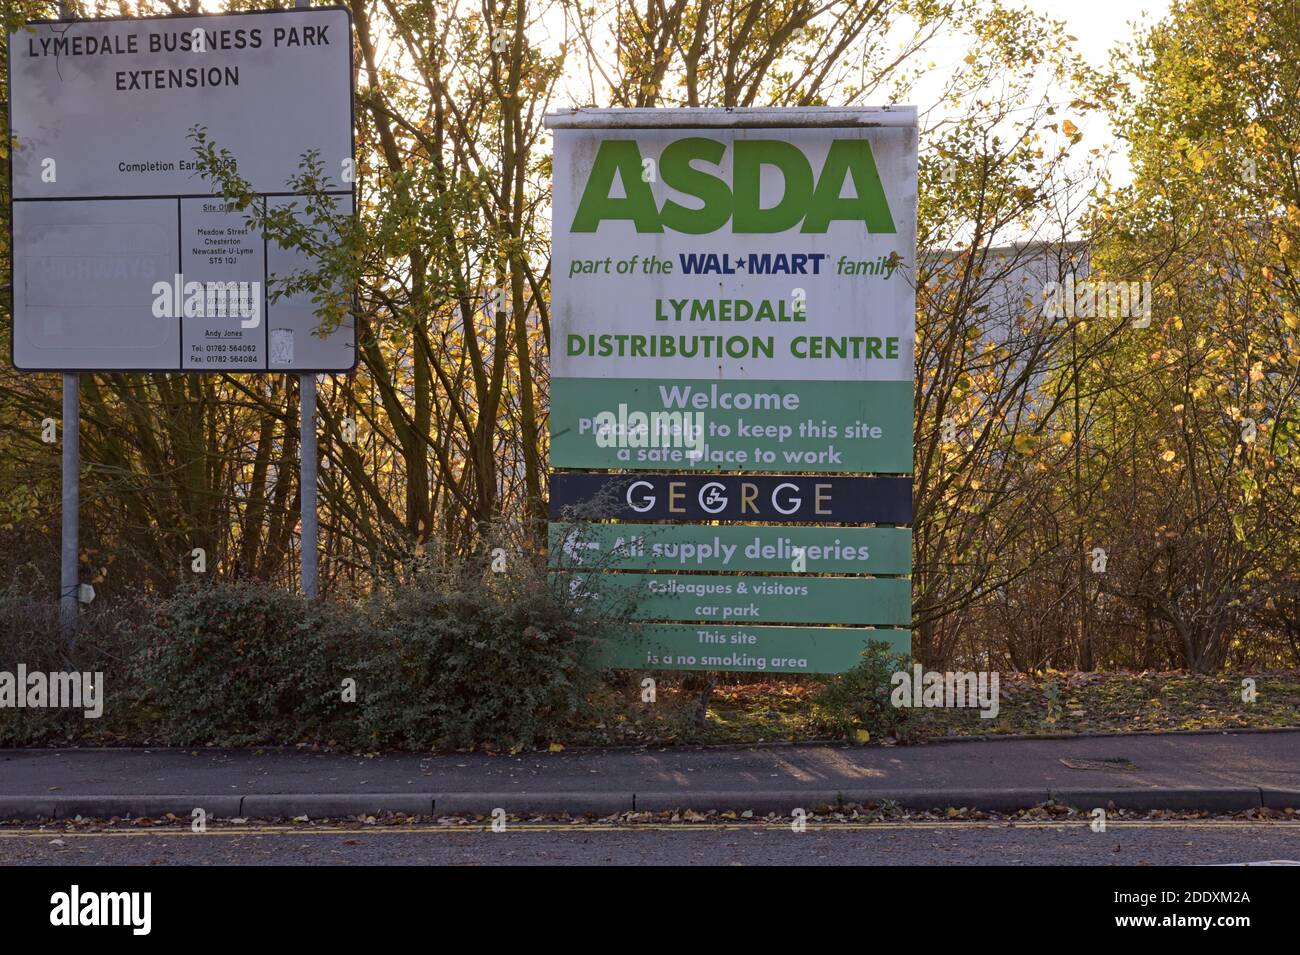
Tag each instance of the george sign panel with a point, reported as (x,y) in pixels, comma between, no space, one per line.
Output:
(122,258)
(576,495)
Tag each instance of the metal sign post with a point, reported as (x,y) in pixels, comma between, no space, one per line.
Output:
(307,475)
(307,465)
(69,585)
(69,552)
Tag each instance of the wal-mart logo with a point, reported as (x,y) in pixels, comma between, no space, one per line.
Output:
(810,201)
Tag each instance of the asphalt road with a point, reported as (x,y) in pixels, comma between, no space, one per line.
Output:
(948,844)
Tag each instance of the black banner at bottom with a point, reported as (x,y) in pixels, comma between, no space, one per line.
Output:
(320,902)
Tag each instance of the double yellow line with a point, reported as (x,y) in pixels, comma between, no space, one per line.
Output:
(1291,828)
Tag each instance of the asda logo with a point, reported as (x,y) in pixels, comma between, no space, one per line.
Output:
(811,199)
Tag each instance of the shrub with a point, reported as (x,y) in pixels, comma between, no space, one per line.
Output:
(859,698)
(244,663)
(456,656)
(460,658)
(31,636)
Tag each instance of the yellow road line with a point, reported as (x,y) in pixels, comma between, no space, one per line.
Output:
(1226,824)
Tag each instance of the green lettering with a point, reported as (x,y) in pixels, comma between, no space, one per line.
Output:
(797,185)
(869,205)
(619,157)
(678,173)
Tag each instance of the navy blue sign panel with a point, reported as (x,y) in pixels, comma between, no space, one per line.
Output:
(723,497)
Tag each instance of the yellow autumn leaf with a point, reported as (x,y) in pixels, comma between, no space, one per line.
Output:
(1069,128)
(1168,456)
(862,736)
(556,747)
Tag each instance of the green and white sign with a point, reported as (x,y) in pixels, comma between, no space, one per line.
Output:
(778,425)
(733,291)
(740,294)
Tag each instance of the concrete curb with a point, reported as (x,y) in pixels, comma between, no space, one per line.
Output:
(1280,798)
(103,807)
(1226,799)
(324,805)
(574,803)
(783,802)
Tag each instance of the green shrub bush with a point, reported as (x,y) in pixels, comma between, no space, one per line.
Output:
(455,656)
(233,664)
(859,698)
(452,658)
(460,658)
(31,636)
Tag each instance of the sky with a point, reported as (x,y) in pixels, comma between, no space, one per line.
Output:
(1099,25)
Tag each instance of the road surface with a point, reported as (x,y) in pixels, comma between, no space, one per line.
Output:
(1197,842)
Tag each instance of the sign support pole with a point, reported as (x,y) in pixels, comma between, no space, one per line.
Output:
(70,551)
(68,582)
(307,466)
(307,476)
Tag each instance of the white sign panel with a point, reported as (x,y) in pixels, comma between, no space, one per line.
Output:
(753,267)
(114,228)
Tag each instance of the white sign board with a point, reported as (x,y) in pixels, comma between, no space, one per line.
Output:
(754,266)
(123,259)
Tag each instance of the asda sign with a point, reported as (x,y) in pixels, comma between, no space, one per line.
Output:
(734,261)
(810,198)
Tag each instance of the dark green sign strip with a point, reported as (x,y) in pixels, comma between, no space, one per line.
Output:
(674,547)
(757,599)
(747,649)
